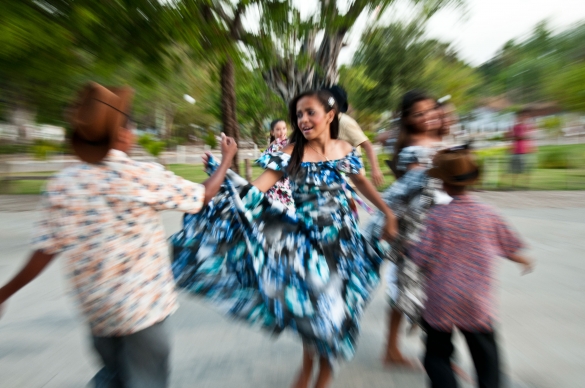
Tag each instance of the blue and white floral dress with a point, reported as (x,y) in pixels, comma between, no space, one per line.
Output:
(410,198)
(310,271)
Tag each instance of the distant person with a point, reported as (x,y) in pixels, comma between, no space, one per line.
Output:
(101,215)
(522,147)
(281,191)
(350,131)
(457,252)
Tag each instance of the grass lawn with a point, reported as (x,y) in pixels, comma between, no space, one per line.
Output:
(190,172)
(554,167)
(195,172)
(495,164)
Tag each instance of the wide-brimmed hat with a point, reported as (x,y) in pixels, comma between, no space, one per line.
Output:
(97,117)
(455,166)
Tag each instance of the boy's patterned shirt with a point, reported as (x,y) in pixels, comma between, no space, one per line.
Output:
(104,220)
(458,252)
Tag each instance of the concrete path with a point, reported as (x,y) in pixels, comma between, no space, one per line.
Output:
(43,343)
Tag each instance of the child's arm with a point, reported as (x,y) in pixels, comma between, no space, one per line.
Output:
(526,263)
(510,245)
(36,264)
(229,149)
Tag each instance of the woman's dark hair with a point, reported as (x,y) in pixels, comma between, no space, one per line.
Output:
(409,99)
(272,125)
(328,101)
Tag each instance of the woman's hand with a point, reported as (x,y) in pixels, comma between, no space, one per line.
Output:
(205,159)
(229,148)
(390,230)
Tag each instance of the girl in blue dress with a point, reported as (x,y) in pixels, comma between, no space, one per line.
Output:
(310,271)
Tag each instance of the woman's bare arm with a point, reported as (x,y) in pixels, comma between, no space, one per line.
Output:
(369,191)
(268,179)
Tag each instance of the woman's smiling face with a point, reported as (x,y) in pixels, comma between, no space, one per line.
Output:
(312,119)
(424,116)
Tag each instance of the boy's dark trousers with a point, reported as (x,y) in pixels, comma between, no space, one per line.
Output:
(483,349)
(139,360)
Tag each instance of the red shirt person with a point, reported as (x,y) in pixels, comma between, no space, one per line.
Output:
(522,144)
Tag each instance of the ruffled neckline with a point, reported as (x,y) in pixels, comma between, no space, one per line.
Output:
(348,156)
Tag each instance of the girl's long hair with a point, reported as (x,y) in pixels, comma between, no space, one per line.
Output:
(272,125)
(408,100)
(297,137)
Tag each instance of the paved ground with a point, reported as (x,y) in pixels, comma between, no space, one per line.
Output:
(44,344)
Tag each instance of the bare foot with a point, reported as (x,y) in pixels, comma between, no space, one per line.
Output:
(395,358)
(302,380)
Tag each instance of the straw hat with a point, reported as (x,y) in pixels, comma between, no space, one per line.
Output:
(96,119)
(455,166)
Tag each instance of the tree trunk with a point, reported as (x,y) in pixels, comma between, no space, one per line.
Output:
(228,105)
(257,132)
(287,79)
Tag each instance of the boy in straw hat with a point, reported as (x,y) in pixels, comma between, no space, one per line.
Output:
(457,252)
(102,216)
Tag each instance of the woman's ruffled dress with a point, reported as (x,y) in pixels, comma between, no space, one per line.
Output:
(410,198)
(310,270)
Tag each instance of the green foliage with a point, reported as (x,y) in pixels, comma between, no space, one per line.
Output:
(389,62)
(561,157)
(210,140)
(171,143)
(450,76)
(41,149)
(552,124)
(546,66)
(50,48)
(399,57)
(567,86)
(8,149)
(151,145)
(497,137)
(371,136)
(256,104)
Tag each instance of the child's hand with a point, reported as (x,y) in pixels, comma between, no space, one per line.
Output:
(229,148)
(527,267)
(526,263)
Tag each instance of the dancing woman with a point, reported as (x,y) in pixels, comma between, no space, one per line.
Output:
(309,271)
(410,197)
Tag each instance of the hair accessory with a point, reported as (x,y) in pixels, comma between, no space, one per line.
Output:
(331,102)
(444,99)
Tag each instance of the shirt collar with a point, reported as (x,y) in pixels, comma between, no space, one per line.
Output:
(116,155)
